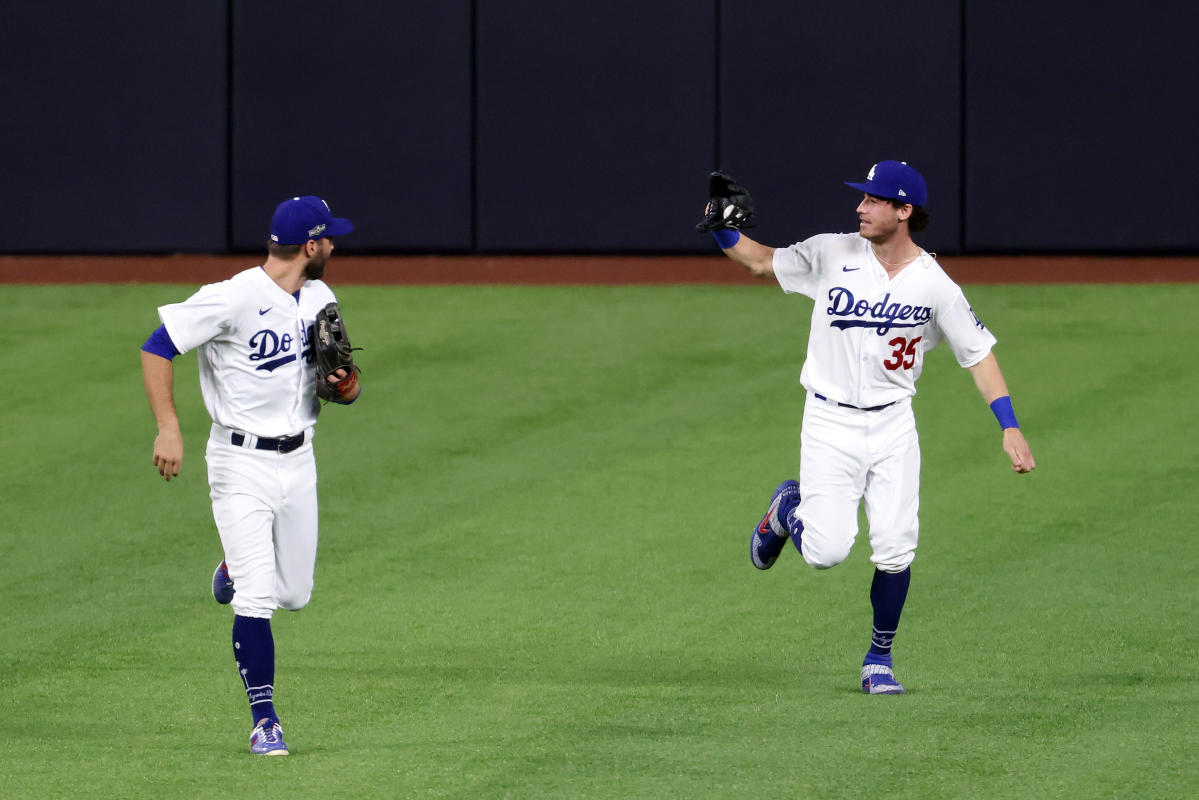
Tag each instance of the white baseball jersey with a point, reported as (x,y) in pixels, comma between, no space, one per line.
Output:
(256,369)
(257,377)
(870,333)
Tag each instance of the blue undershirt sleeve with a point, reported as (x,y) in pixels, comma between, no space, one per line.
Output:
(160,344)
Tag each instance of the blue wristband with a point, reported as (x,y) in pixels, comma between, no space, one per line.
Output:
(1002,408)
(726,238)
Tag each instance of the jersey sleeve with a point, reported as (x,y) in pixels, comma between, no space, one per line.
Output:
(797,267)
(198,319)
(961,328)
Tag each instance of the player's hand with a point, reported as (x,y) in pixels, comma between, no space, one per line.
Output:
(168,453)
(1018,450)
(730,206)
(347,384)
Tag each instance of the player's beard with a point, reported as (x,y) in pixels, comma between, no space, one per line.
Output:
(315,268)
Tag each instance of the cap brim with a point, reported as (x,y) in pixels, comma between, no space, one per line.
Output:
(339,227)
(868,189)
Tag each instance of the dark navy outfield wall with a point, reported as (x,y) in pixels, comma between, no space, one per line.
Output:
(1082,126)
(812,94)
(115,126)
(500,126)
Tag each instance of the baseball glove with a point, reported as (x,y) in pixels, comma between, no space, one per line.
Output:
(332,351)
(730,206)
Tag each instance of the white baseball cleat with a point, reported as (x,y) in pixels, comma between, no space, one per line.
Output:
(267,739)
(880,679)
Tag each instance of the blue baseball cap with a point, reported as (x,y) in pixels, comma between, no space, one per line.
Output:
(302,218)
(894,180)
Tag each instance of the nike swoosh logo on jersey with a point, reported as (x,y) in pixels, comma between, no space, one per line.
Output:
(850,269)
(262,311)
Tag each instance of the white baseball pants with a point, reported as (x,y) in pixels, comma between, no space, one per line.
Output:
(846,455)
(265,508)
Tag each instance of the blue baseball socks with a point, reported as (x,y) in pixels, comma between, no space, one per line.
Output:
(254,649)
(888,592)
(793,525)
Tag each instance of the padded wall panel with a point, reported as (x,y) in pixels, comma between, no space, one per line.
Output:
(114,133)
(595,124)
(815,93)
(1081,124)
(365,104)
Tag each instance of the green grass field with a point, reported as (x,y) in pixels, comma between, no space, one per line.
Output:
(534,577)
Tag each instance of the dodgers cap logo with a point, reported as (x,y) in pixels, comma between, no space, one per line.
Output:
(895,180)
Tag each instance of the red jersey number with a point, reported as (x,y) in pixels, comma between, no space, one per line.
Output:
(904,355)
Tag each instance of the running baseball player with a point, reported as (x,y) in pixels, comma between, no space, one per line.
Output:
(881,303)
(259,371)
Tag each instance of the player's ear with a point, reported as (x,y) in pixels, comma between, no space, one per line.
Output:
(905,212)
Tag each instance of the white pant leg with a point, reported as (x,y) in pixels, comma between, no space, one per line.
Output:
(832,477)
(893,487)
(296,529)
(265,508)
(243,507)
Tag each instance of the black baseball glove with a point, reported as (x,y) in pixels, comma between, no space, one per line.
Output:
(730,206)
(332,351)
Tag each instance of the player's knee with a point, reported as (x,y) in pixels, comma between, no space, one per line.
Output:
(824,560)
(294,600)
(824,554)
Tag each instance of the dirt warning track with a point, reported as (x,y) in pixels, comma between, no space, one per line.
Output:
(569,270)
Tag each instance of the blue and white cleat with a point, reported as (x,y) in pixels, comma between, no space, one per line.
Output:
(267,739)
(880,679)
(771,534)
(222,586)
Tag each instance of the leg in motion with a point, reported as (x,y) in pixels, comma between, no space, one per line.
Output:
(771,533)
(254,649)
(888,592)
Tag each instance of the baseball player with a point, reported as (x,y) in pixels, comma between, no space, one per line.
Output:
(881,303)
(258,375)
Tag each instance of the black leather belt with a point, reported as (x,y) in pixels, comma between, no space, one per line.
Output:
(284,445)
(856,408)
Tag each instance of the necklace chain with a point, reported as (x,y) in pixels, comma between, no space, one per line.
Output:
(887,263)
